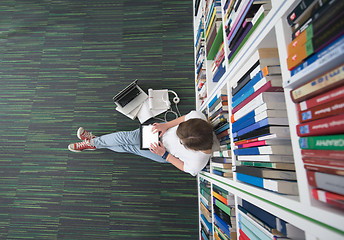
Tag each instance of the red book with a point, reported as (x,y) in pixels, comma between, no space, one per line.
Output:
(324,162)
(324,126)
(325,169)
(326,154)
(243,235)
(325,181)
(321,99)
(322,111)
(329,197)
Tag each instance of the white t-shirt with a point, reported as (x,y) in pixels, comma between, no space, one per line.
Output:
(194,161)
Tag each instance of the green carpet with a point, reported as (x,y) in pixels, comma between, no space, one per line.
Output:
(61,61)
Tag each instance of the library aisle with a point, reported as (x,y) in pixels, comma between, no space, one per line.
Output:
(269,75)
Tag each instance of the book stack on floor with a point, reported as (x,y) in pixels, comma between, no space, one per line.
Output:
(200,62)
(214,39)
(260,127)
(218,117)
(205,207)
(242,18)
(256,223)
(317,33)
(320,105)
(224,214)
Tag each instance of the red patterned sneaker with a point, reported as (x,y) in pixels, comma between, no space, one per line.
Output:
(84,135)
(80,146)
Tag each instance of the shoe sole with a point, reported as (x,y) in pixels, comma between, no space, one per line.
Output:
(78,133)
(73,150)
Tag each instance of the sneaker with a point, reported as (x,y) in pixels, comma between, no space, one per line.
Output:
(84,135)
(80,146)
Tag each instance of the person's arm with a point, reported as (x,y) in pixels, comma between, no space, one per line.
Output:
(160,150)
(163,127)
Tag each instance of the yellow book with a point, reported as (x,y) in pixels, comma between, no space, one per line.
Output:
(210,23)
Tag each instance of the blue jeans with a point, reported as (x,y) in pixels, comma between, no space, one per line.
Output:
(125,142)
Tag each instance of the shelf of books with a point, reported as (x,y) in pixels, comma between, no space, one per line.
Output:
(272,86)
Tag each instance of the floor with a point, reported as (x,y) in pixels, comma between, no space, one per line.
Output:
(61,62)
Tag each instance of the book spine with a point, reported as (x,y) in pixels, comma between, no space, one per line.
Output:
(297,11)
(329,197)
(327,142)
(326,97)
(265,88)
(329,182)
(325,82)
(332,163)
(327,154)
(322,111)
(323,169)
(329,125)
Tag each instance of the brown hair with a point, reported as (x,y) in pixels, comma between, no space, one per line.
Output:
(196,134)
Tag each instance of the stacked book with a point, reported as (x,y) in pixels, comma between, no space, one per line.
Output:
(320,106)
(317,33)
(200,65)
(218,117)
(205,209)
(256,223)
(214,39)
(260,129)
(242,17)
(222,166)
(224,214)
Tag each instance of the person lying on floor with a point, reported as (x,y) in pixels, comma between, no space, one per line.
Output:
(186,142)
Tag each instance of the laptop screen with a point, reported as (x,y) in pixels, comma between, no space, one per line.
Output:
(128,96)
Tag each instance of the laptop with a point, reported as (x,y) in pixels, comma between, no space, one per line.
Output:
(130,98)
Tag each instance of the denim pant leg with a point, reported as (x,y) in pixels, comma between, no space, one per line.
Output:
(126,141)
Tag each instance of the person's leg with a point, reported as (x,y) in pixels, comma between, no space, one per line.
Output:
(126,141)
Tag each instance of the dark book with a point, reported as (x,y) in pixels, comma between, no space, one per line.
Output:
(244,79)
(267,173)
(299,10)
(281,132)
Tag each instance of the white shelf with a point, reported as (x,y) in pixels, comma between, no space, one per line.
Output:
(316,219)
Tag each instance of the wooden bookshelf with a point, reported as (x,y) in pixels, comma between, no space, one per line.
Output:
(314,219)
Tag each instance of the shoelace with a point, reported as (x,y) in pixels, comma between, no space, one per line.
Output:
(88,135)
(85,143)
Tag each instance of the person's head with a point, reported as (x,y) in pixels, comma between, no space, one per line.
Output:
(196,134)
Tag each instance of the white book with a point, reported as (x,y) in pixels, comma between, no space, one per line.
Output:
(271,114)
(266,158)
(273,100)
(274,149)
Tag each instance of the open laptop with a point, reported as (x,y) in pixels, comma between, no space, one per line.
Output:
(130,98)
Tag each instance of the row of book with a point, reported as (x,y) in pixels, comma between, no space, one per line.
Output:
(317,31)
(205,210)
(225,226)
(221,162)
(200,65)
(214,40)
(256,223)
(317,38)
(241,18)
(260,128)
(320,104)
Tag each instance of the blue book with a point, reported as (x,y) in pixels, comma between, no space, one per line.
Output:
(266,217)
(208,224)
(248,232)
(224,127)
(279,186)
(221,224)
(330,50)
(204,236)
(262,123)
(245,118)
(247,87)
(221,70)
(245,124)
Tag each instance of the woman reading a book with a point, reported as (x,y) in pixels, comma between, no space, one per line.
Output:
(186,142)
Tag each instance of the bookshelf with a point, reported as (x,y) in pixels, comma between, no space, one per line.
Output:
(307,217)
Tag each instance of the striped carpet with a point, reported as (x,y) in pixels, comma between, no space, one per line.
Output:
(61,61)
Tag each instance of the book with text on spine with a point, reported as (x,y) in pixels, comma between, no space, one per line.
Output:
(323,126)
(325,82)
(325,181)
(325,142)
